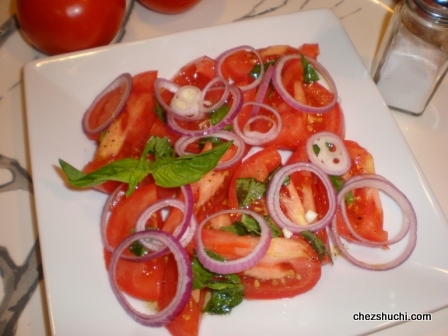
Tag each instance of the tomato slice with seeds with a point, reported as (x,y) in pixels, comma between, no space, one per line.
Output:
(365,211)
(289,268)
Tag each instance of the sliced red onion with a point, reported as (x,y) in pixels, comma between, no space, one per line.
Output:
(183,142)
(262,89)
(212,86)
(220,59)
(409,224)
(187,221)
(111,201)
(190,113)
(242,264)
(256,138)
(273,198)
(334,162)
(123,84)
(278,83)
(184,283)
(233,112)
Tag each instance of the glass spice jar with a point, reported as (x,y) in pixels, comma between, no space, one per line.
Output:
(413,56)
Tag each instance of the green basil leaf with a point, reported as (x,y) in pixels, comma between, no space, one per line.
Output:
(309,73)
(217,115)
(249,190)
(317,244)
(122,171)
(222,301)
(255,72)
(275,230)
(169,172)
(160,147)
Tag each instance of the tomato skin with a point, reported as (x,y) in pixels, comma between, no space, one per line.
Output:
(56,27)
(169,6)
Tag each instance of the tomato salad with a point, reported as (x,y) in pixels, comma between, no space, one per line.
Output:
(228,182)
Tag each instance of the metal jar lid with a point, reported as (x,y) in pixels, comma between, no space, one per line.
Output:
(435,10)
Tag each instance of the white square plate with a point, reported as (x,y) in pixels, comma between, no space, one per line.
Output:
(58,90)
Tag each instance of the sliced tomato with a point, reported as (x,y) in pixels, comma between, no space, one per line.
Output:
(289,268)
(272,53)
(310,49)
(139,279)
(128,134)
(298,126)
(312,193)
(212,189)
(188,321)
(197,73)
(237,67)
(365,213)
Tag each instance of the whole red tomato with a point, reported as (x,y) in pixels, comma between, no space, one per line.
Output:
(169,6)
(60,26)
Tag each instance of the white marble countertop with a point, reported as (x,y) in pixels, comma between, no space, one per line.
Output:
(364,21)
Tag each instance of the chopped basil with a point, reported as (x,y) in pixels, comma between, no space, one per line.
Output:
(222,301)
(338,183)
(227,291)
(317,244)
(249,226)
(255,72)
(309,73)
(275,230)
(160,112)
(217,115)
(316,149)
(137,249)
(349,198)
(167,171)
(249,190)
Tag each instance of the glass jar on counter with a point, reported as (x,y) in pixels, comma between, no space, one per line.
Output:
(413,56)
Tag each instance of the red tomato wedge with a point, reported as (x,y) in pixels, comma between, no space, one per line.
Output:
(365,213)
(140,279)
(290,267)
(188,321)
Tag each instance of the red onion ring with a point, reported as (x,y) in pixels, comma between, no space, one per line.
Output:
(184,284)
(210,86)
(161,84)
(239,265)
(233,112)
(220,60)
(182,143)
(254,137)
(123,82)
(111,201)
(326,158)
(273,197)
(409,225)
(277,81)
(184,232)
